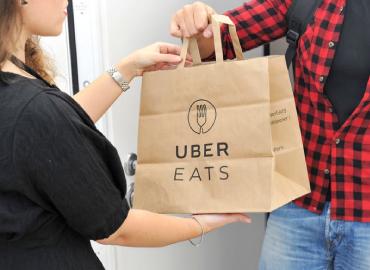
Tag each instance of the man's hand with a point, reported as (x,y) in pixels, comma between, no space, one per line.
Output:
(192,20)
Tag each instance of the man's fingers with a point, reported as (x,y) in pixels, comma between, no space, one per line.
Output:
(189,20)
(208,32)
(200,17)
(181,22)
(175,28)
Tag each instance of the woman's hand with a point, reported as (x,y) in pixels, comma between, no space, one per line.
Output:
(214,221)
(154,57)
(100,95)
(146,229)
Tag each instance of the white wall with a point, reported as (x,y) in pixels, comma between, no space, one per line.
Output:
(133,24)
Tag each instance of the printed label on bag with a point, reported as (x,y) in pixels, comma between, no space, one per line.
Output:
(202,116)
(279,116)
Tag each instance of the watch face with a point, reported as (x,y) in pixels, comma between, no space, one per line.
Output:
(117,77)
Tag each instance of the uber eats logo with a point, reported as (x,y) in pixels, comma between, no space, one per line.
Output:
(202,117)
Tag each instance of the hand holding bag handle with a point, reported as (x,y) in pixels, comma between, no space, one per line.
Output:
(190,44)
(217,20)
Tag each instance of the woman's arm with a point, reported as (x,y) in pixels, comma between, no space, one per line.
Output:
(103,92)
(147,229)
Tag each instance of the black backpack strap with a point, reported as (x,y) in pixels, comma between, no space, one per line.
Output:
(299,16)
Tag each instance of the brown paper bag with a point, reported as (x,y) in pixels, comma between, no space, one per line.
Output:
(220,137)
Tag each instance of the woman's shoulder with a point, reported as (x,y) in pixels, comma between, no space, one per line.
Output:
(52,111)
(43,117)
(49,107)
(19,91)
(16,94)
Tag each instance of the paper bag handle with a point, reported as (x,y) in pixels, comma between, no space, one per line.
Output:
(190,44)
(217,20)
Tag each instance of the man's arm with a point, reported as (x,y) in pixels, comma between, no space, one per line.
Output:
(257,22)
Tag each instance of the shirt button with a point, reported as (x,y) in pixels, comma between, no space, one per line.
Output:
(337,141)
(322,78)
(331,44)
(341,10)
(326,171)
(331,110)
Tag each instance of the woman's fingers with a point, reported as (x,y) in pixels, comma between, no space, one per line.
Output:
(188,63)
(232,218)
(167,58)
(215,221)
(167,48)
(244,218)
(160,55)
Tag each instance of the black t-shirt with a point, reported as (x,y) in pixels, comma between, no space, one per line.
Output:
(350,70)
(61,181)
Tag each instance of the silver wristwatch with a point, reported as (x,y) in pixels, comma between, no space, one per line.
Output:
(118,78)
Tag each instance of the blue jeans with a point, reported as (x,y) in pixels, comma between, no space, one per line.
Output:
(297,239)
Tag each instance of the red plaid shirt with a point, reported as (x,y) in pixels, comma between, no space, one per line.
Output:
(336,154)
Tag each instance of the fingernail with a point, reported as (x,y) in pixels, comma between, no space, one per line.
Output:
(207,34)
(248,220)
